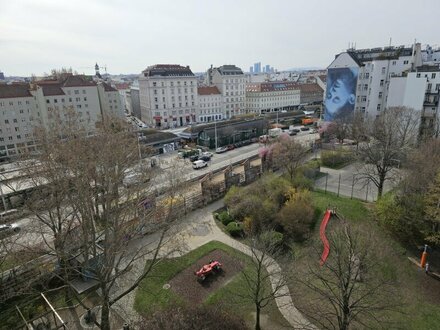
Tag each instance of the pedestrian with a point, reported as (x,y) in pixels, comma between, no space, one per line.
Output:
(426,268)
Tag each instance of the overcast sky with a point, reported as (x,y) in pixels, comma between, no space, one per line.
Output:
(127,36)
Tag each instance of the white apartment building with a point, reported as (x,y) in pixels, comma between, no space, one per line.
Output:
(168,95)
(210,104)
(110,100)
(272,96)
(26,106)
(231,83)
(19,115)
(420,90)
(371,71)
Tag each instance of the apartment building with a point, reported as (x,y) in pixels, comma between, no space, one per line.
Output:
(110,100)
(210,105)
(272,96)
(358,80)
(310,93)
(168,95)
(231,82)
(26,106)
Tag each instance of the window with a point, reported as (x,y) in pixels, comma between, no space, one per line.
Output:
(70,99)
(155,92)
(84,91)
(47,101)
(418,75)
(363,98)
(21,111)
(85,99)
(78,99)
(394,62)
(11,103)
(157,106)
(15,120)
(17,129)
(367,75)
(27,102)
(378,107)
(154,84)
(437,87)
(429,87)
(2,139)
(405,62)
(380,95)
(365,87)
(433,76)
(381,83)
(18,137)
(10,138)
(76,91)
(155,99)
(383,70)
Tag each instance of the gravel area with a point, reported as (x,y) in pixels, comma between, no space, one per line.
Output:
(185,283)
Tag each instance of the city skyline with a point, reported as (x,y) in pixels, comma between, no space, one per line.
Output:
(38,37)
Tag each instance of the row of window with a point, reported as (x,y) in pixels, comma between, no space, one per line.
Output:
(77,99)
(433,75)
(10,138)
(2,103)
(179,91)
(173,105)
(162,84)
(172,113)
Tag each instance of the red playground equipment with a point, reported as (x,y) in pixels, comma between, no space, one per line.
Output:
(324,239)
(207,269)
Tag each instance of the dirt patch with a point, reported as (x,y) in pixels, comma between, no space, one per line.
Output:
(185,283)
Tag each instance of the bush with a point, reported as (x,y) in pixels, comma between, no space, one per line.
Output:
(297,217)
(225,218)
(302,183)
(335,159)
(272,237)
(234,229)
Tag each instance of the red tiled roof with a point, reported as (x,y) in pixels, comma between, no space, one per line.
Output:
(50,87)
(108,88)
(309,88)
(122,86)
(15,90)
(208,90)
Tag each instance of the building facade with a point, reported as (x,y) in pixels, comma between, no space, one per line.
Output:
(110,100)
(365,78)
(210,105)
(168,95)
(23,107)
(310,93)
(272,96)
(230,81)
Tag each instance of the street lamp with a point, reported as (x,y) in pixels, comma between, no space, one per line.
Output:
(215,132)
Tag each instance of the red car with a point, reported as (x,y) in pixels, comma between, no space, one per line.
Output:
(207,269)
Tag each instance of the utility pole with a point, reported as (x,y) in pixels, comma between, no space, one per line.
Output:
(215,132)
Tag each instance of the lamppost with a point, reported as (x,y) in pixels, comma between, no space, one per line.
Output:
(215,132)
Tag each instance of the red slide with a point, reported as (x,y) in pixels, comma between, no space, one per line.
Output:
(324,240)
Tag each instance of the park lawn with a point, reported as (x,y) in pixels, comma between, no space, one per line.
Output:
(350,209)
(150,295)
(420,309)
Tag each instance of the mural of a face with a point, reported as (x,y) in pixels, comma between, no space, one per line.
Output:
(340,93)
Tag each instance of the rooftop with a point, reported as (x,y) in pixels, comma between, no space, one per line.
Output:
(167,70)
(379,53)
(229,70)
(15,90)
(209,90)
(108,88)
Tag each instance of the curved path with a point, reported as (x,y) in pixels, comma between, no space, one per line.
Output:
(195,230)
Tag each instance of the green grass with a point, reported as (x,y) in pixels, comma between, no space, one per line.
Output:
(418,311)
(150,296)
(351,209)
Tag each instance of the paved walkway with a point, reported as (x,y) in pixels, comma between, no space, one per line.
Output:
(195,230)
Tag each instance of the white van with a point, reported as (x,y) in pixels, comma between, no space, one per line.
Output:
(199,164)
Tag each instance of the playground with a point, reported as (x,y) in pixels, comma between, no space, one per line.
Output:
(418,293)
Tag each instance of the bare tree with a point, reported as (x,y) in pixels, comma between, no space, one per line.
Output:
(391,137)
(263,278)
(288,155)
(82,177)
(350,290)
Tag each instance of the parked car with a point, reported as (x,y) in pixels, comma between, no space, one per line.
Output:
(220,150)
(205,158)
(305,128)
(199,164)
(207,153)
(313,131)
(193,158)
(9,230)
(231,147)
(246,142)
(291,133)
(238,144)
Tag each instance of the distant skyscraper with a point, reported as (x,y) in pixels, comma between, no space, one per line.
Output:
(267,68)
(251,69)
(2,76)
(257,67)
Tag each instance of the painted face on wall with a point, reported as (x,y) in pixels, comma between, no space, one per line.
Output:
(338,96)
